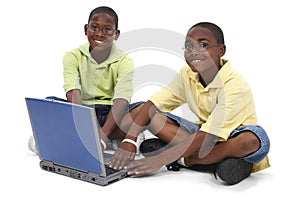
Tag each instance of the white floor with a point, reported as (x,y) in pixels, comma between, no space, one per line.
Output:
(29,181)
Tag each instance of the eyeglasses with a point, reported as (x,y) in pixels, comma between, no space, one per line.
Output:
(96,29)
(199,47)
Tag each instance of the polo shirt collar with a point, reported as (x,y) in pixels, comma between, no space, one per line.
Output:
(221,77)
(114,55)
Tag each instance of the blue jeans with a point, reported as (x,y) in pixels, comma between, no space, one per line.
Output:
(255,157)
(103,110)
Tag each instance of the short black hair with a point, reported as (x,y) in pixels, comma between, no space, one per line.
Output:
(216,30)
(107,10)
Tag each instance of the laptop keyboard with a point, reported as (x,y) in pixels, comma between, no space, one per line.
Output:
(110,170)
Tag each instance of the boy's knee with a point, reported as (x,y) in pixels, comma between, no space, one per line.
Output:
(249,142)
(135,110)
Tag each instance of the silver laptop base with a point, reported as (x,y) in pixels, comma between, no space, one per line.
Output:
(81,175)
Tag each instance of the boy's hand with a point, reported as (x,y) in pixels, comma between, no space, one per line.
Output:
(144,166)
(123,155)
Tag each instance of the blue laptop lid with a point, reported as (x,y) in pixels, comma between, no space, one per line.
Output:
(66,134)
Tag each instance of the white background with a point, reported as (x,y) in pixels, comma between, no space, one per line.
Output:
(262,39)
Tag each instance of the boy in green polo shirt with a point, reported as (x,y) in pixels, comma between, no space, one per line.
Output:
(100,75)
(226,138)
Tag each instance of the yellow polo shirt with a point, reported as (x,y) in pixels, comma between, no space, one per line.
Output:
(223,106)
(98,83)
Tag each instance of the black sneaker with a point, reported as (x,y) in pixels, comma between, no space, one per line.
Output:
(234,170)
(209,168)
(152,147)
(174,166)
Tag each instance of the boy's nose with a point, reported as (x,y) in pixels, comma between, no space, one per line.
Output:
(100,33)
(195,51)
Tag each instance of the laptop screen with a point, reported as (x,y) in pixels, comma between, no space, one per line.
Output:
(66,134)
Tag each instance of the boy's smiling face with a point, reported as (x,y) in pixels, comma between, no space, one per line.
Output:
(95,31)
(209,56)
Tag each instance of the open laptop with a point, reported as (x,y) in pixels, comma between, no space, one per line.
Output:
(68,141)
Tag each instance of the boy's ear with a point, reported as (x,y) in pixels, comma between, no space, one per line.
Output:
(117,34)
(85,29)
(222,50)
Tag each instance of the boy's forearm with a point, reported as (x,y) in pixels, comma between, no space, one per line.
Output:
(189,146)
(199,142)
(115,116)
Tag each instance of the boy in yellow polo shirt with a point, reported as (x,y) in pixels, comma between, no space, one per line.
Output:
(226,136)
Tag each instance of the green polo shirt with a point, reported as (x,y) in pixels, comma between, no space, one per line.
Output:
(98,83)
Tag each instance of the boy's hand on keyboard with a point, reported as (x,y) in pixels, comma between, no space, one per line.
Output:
(123,155)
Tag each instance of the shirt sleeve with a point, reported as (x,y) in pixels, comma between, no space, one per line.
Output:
(230,111)
(171,96)
(71,72)
(124,88)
